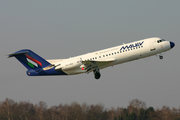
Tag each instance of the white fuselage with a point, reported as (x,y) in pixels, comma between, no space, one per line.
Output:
(112,56)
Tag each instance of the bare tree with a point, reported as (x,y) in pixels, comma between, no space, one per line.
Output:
(8,108)
(40,109)
(135,105)
(26,110)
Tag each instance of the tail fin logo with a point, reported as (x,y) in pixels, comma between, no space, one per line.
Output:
(32,62)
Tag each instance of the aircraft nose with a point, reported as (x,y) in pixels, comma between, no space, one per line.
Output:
(172,44)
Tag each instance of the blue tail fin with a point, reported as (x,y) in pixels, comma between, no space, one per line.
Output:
(30,60)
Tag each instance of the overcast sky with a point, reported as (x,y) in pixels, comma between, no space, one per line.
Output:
(63,29)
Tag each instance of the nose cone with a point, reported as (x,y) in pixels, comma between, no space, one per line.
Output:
(172,44)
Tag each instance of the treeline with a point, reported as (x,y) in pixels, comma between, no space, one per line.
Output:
(136,110)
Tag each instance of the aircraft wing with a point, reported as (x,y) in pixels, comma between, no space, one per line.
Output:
(92,65)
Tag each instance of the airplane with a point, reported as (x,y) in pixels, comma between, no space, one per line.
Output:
(94,61)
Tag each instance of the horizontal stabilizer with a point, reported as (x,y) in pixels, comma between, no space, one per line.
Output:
(17,53)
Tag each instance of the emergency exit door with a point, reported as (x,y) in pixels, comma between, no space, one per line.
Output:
(152,46)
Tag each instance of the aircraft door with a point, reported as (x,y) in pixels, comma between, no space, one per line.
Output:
(152,46)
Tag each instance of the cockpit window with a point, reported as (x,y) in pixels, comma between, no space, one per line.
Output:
(160,41)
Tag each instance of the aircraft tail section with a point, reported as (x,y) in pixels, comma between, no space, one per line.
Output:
(36,65)
(30,60)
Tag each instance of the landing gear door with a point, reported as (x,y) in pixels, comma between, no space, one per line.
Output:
(152,48)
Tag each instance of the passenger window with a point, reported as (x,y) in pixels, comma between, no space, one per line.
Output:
(114,52)
(109,54)
(95,57)
(118,52)
(99,56)
(103,55)
(106,54)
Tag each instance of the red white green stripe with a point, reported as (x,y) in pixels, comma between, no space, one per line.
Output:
(33,62)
